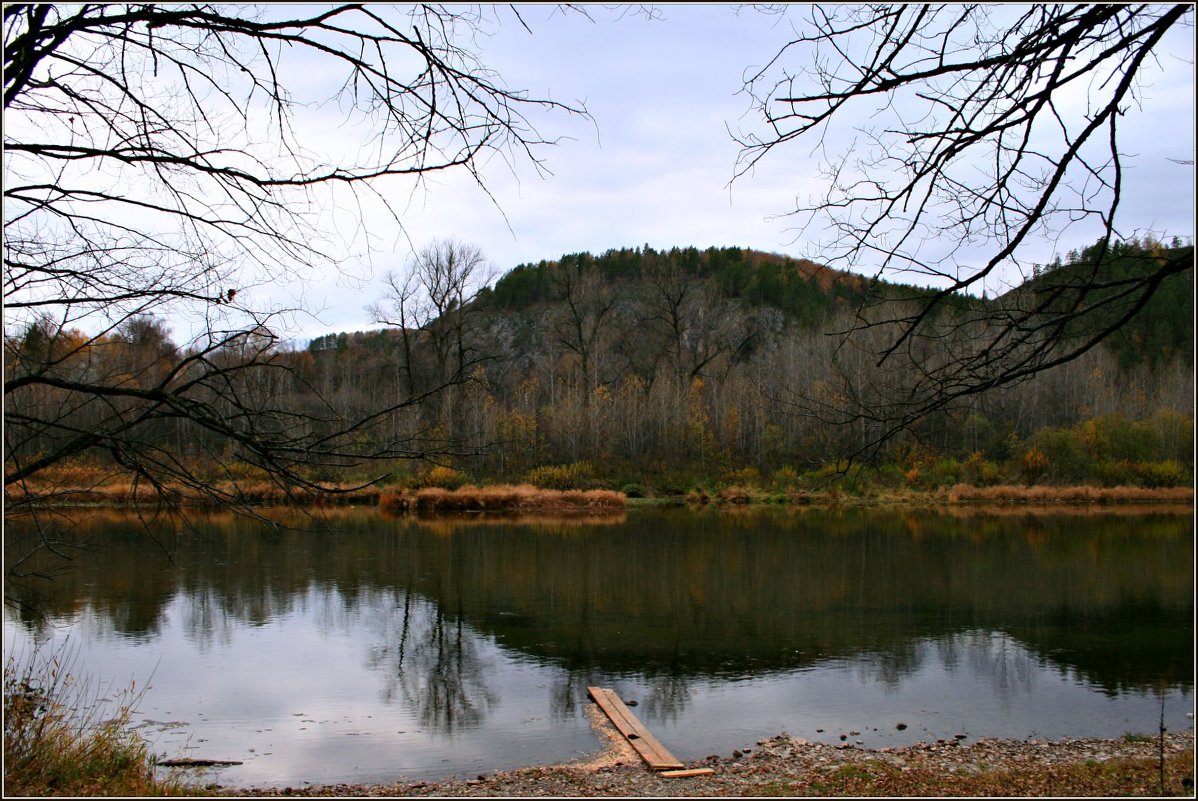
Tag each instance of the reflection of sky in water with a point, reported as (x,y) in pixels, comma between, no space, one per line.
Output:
(326,691)
(978,684)
(301,699)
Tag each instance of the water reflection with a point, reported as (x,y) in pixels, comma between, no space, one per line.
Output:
(435,666)
(890,667)
(668,697)
(484,627)
(1011,669)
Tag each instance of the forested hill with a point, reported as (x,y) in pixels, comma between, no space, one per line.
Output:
(649,362)
(670,367)
(807,292)
(671,284)
(1108,283)
(804,289)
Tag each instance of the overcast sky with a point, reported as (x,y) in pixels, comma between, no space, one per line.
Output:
(655,165)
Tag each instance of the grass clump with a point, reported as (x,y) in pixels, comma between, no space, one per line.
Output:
(501,498)
(579,475)
(61,739)
(1008,493)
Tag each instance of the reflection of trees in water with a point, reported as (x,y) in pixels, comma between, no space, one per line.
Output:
(205,619)
(1010,666)
(334,610)
(393,624)
(665,698)
(698,597)
(890,667)
(569,692)
(432,660)
(669,696)
(949,651)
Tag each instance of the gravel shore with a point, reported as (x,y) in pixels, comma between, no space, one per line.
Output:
(788,766)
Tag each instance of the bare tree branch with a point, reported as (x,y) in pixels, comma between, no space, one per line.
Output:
(163,162)
(989,128)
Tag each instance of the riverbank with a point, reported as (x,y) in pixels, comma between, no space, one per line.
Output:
(792,767)
(528,498)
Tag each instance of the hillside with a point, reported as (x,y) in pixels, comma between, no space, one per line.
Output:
(662,371)
(638,361)
(1111,287)
(806,290)
(669,289)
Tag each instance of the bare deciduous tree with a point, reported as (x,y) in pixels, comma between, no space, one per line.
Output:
(169,161)
(431,305)
(589,305)
(967,133)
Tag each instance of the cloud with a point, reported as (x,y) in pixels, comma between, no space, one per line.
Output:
(654,166)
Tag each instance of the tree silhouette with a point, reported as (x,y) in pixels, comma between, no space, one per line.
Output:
(991,126)
(175,161)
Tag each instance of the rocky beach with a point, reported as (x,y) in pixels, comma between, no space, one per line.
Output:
(1132,765)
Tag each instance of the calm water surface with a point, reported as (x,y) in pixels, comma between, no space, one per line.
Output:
(368,649)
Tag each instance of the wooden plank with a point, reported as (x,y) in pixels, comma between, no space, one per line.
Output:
(652,751)
(686,774)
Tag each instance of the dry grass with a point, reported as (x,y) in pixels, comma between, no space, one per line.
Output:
(549,523)
(967,493)
(737,494)
(59,740)
(89,485)
(253,492)
(505,497)
(1133,777)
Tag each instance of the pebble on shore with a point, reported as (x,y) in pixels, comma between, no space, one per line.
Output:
(774,762)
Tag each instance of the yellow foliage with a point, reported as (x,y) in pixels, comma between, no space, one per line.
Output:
(786,476)
(444,477)
(561,477)
(747,476)
(1035,461)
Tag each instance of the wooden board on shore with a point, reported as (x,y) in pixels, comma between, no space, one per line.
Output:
(688,774)
(653,752)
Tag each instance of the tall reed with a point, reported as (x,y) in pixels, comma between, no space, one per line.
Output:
(61,737)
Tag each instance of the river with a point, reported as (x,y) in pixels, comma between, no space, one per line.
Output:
(350,646)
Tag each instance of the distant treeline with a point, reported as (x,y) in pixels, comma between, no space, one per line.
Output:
(808,291)
(664,368)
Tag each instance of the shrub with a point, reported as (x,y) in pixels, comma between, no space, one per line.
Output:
(578,475)
(978,471)
(745,476)
(1065,455)
(943,473)
(1175,433)
(444,478)
(1168,473)
(785,477)
(1035,463)
(830,472)
(1112,473)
